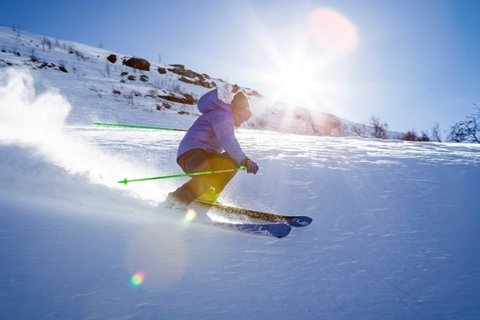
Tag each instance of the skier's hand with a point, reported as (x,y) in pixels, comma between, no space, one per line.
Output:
(252,166)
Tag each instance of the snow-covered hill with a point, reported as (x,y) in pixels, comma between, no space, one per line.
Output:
(395,231)
(104,85)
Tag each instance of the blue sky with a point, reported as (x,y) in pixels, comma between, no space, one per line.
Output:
(410,63)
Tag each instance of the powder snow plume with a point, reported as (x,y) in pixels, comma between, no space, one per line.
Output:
(28,119)
(37,120)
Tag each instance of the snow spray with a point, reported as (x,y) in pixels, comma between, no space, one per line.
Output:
(37,120)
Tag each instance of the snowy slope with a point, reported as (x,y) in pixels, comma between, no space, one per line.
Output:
(102,90)
(395,231)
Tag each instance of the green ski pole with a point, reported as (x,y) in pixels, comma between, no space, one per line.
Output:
(135,126)
(178,175)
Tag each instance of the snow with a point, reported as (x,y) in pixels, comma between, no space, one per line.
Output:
(394,236)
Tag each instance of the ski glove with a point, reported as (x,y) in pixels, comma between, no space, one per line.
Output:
(252,166)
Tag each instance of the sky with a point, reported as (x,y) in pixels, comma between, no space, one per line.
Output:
(409,63)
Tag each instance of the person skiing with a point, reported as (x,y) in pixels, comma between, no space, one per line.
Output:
(210,145)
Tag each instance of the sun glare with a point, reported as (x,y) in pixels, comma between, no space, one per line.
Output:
(301,73)
(303,62)
(295,81)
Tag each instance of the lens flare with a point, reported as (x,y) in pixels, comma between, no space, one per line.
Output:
(333,31)
(137,279)
(161,254)
(190,215)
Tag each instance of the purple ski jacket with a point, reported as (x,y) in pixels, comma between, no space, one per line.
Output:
(214,130)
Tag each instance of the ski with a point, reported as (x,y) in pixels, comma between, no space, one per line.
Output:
(294,221)
(277,230)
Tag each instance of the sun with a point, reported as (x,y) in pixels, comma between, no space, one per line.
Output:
(301,66)
(304,63)
(296,79)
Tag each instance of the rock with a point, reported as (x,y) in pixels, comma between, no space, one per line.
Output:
(112,58)
(137,63)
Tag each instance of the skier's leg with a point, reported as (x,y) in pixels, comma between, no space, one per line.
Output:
(193,161)
(222,162)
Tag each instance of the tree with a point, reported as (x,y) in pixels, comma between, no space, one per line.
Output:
(359,130)
(436,132)
(467,130)
(410,135)
(424,137)
(379,129)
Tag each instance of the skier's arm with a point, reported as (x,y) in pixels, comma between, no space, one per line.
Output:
(224,129)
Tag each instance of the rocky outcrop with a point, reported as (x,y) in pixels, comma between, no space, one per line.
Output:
(137,63)
(191,77)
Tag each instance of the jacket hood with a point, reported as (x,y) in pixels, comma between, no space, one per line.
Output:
(221,98)
(210,101)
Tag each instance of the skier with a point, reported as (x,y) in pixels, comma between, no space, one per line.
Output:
(210,145)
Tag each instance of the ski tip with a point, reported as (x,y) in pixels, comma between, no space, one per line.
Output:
(124,181)
(300,221)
